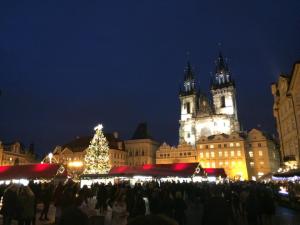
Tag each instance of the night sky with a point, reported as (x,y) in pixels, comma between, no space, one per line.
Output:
(66,66)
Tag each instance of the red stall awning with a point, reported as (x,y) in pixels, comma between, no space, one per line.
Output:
(32,171)
(163,170)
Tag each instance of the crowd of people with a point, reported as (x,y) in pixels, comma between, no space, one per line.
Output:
(121,204)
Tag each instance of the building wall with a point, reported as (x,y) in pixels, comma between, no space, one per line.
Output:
(239,155)
(13,154)
(141,151)
(286,110)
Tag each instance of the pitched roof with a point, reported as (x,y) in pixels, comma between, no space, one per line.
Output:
(79,144)
(141,132)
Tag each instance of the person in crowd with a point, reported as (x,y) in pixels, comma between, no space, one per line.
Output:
(179,208)
(73,215)
(46,197)
(119,211)
(216,209)
(252,208)
(26,202)
(152,220)
(9,208)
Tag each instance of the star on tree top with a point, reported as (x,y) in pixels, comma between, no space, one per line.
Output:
(99,127)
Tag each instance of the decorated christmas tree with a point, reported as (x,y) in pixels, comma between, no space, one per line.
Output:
(97,155)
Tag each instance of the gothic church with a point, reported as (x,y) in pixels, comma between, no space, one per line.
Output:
(203,115)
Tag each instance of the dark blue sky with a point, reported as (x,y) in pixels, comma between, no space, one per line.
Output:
(67,65)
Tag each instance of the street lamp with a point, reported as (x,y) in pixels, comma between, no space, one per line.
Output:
(50,156)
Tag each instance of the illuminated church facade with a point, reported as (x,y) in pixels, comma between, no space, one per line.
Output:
(202,115)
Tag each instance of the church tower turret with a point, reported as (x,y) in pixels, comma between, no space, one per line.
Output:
(189,106)
(224,92)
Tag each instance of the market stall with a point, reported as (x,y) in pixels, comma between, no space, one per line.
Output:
(38,172)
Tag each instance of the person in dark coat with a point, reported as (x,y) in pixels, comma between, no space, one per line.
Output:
(216,210)
(179,209)
(46,199)
(73,215)
(10,204)
(252,208)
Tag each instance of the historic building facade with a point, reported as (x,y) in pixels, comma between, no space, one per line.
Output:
(286,110)
(15,154)
(242,155)
(204,116)
(141,148)
(72,154)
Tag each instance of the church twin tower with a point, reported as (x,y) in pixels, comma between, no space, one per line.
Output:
(204,116)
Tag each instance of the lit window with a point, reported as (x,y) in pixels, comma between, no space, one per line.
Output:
(211,146)
(208,165)
(260,174)
(237,144)
(201,155)
(261,163)
(251,154)
(232,153)
(207,154)
(201,146)
(238,153)
(212,154)
(220,163)
(213,165)
(231,144)
(251,164)
(226,154)
(260,153)
(220,154)
(226,163)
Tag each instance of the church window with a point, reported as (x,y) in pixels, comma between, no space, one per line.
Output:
(188,107)
(222,101)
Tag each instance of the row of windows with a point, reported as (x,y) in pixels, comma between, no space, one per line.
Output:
(261,163)
(260,153)
(136,153)
(180,154)
(237,144)
(221,164)
(220,154)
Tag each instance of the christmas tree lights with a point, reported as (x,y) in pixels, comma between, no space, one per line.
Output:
(97,155)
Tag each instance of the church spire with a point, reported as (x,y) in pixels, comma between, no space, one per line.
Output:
(222,74)
(189,79)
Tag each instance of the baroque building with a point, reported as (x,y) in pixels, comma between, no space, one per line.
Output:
(242,155)
(203,115)
(15,154)
(286,110)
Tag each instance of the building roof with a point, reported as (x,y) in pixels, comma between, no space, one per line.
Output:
(141,132)
(164,170)
(79,144)
(32,171)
